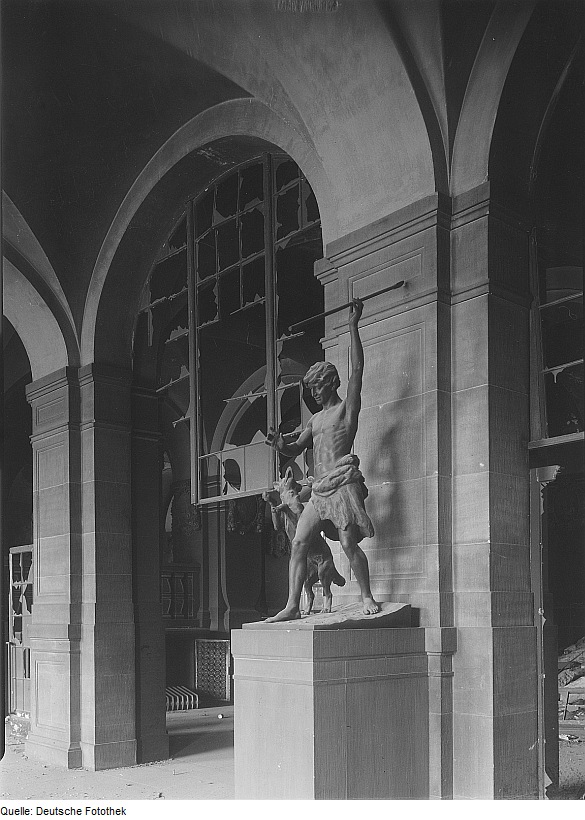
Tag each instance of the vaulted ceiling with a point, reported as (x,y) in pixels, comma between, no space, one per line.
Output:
(375,88)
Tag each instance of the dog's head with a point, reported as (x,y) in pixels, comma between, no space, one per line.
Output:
(272,496)
(287,486)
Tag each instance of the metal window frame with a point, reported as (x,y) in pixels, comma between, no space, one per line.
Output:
(539,415)
(270,246)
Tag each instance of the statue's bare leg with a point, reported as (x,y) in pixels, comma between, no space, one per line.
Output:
(307,526)
(359,565)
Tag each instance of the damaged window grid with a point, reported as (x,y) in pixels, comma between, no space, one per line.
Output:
(253,280)
(562,342)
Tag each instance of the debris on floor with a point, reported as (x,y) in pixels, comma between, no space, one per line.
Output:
(571,682)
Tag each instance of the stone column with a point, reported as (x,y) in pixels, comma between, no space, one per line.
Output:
(108,725)
(151,736)
(404,435)
(55,628)
(495,681)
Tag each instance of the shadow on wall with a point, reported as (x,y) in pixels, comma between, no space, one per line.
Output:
(392,467)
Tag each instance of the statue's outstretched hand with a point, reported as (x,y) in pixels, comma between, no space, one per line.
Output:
(275,439)
(355,311)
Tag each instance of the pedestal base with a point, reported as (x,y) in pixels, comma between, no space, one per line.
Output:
(330,713)
(346,616)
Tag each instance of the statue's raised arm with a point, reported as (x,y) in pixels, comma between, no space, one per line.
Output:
(353,401)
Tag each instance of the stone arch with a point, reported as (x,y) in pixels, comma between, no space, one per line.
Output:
(529,100)
(34,322)
(471,149)
(204,147)
(34,301)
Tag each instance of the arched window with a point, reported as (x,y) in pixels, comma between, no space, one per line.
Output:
(235,273)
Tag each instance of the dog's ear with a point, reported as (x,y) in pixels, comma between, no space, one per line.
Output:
(288,474)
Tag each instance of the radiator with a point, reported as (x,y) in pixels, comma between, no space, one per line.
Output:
(180,698)
(212,668)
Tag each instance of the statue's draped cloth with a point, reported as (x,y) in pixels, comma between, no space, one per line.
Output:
(338,496)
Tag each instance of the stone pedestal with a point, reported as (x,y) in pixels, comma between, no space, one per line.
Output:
(331,713)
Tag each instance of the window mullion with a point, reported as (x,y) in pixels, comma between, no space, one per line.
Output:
(270,291)
(537,395)
(194,413)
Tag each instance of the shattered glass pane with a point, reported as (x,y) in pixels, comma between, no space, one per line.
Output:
(178,326)
(564,401)
(174,361)
(562,332)
(233,469)
(251,185)
(16,568)
(289,406)
(252,232)
(311,208)
(28,597)
(252,422)
(207,304)
(204,213)
(210,471)
(287,213)
(232,362)
(169,276)
(206,263)
(253,286)
(286,171)
(226,198)
(299,296)
(229,293)
(178,238)
(178,398)
(257,466)
(228,245)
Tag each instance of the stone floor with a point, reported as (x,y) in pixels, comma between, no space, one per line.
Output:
(571,769)
(201,767)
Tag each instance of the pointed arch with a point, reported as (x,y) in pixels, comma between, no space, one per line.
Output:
(471,150)
(34,322)
(34,301)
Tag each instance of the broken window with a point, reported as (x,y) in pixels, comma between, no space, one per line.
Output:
(564,400)
(561,336)
(21,592)
(557,271)
(234,274)
(250,367)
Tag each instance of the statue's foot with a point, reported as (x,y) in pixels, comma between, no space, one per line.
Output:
(286,614)
(370,607)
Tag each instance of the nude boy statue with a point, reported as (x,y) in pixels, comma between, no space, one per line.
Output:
(338,489)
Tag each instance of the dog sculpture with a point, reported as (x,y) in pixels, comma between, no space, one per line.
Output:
(287,507)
